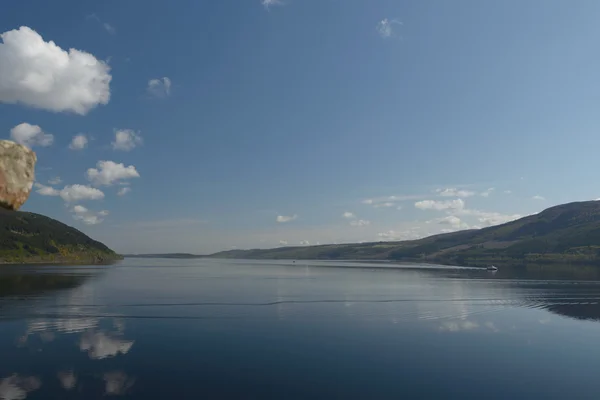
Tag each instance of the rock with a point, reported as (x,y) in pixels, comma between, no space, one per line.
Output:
(17,172)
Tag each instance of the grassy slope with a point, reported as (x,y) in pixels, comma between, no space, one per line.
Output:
(28,237)
(565,233)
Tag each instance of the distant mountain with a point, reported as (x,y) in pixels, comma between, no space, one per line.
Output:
(568,233)
(31,238)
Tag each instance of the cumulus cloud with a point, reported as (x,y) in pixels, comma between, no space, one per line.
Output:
(55,181)
(285,218)
(123,191)
(88,217)
(100,345)
(304,243)
(385,27)
(454,192)
(538,197)
(283,242)
(457,204)
(348,215)
(160,87)
(40,74)
(79,142)
(73,193)
(46,190)
(487,218)
(108,172)
(360,222)
(126,140)
(27,134)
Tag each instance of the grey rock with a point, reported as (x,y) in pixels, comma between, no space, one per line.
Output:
(17,172)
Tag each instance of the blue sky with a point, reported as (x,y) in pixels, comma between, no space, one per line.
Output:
(235,124)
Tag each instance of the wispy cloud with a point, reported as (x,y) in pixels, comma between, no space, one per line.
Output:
(123,191)
(440,205)
(386,27)
(107,27)
(454,192)
(267,4)
(360,222)
(285,218)
(348,215)
(538,197)
(487,192)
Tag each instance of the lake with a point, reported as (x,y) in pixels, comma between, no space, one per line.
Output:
(232,329)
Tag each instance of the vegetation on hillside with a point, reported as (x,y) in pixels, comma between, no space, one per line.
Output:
(29,238)
(568,233)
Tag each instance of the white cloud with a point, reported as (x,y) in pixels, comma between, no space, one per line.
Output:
(454,192)
(284,218)
(508,191)
(268,3)
(100,345)
(46,190)
(79,142)
(75,193)
(283,242)
(88,217)
(108,172)
(123,191)
(40,74)
(457,204)
(160,87)
(385,27)
(349,215)
(360,222)
(538,197)
(391,199)
(55,181)
(487,193)
(16,387)
(126,140)
(27,134)
(304,243)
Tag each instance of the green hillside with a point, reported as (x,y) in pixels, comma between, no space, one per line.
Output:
(30,238)
(568,233)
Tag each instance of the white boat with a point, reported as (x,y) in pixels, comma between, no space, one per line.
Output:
(492,268)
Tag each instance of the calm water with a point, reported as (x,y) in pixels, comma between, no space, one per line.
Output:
(190,329)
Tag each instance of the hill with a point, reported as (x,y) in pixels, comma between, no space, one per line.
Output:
(568,233)
(32,238)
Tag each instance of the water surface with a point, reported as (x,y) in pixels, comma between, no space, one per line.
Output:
(215,329)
